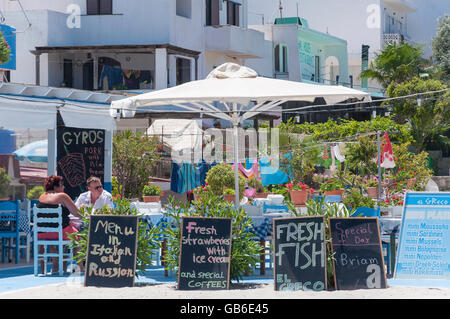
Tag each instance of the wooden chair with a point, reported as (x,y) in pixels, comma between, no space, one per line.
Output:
(60,242)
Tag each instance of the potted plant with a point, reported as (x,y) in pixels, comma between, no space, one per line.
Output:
(332,186)
(35,192)
(5,181)
(372,188)
(199,191)
(258,186)
(151,193)
(298,193)
(229,194)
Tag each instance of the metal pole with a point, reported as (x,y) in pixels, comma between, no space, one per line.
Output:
(236,157)
(379,165)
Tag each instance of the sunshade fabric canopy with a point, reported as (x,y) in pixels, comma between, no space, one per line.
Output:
(231,83)
(233,92)
(34,152)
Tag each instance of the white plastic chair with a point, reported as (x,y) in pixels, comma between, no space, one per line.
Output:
(24,229)
(60,243)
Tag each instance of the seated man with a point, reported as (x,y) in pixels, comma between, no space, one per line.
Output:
(96,196)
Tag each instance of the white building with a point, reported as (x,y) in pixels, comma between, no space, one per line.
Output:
(360,22)
(156,44)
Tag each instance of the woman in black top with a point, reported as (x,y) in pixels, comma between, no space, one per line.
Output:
(54,195)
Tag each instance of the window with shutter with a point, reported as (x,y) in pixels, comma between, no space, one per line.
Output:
(99,7)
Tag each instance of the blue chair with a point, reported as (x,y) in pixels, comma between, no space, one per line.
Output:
(333,199)
(366,212)
(9,228)
(386,245)
(60,243)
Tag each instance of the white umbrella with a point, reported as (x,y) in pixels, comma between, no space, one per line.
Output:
(233,92)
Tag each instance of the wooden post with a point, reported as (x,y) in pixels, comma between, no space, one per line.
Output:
(163,253)
(262,257)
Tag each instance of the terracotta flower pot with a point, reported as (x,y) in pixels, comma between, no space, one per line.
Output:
(261,195)
(334,192)
(372,191)
(150,199)
(298,197)
(229,197)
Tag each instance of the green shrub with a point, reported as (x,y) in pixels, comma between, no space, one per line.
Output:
(35,192)
(221,176)
(148,238)
(151,190)
(5,181)
(244,249)
(354,198)
(134,156)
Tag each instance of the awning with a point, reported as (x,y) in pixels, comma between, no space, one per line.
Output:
(23,106)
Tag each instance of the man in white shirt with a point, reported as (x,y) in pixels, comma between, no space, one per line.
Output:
(96,196)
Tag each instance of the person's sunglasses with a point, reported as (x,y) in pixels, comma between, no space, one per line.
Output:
(98,187)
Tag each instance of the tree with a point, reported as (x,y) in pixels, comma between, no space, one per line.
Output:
(396,63)
(440,45)
(428,117)
(134,156)
(4,50)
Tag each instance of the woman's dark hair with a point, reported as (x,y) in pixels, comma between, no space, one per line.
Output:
(52,181)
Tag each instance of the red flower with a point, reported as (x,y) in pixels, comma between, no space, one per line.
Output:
(401,203)
(311,191)
(304,187)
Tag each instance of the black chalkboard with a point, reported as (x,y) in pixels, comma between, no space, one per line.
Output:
(111,254)
(80,154)
(358,258)
(299,253)
(205,250)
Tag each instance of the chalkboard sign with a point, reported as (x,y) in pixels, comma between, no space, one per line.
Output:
(300,253)
(424,245)
(205,253)
(358,258)
(111,254)
(80,154)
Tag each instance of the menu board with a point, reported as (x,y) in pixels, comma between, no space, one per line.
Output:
(205,253)
(358,258)
(424,245)
(80,154)
(300,253)
(111,251)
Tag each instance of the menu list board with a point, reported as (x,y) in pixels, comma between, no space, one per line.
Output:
(358,258)
(424,245)
(80,154)
(300,253)
(205,253)
(111,251)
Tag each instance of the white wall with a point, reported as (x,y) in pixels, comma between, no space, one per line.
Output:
(345,19)
(422,24)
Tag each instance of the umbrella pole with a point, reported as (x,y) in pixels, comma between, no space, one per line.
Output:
(236,160)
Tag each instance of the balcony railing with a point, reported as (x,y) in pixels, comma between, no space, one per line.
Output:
(395,38)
